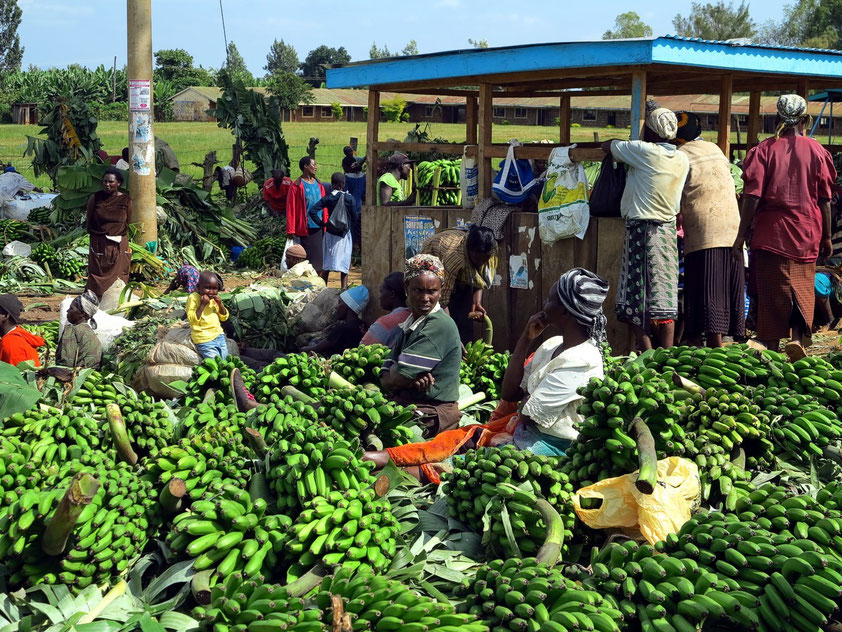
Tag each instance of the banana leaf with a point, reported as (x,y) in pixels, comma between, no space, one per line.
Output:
(16,396)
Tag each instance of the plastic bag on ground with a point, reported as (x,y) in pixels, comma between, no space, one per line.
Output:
(642,516)
(108,327)
(17,249)
(19,208)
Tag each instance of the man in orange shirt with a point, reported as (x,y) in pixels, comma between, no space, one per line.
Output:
(275,191)
(16,343)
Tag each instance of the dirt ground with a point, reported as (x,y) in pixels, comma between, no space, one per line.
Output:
(40,309)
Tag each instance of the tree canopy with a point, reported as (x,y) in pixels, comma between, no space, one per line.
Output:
(627,25)
(810,23)
(282,58)
(11,52)
(482,43)
(290,89)
(716,21)
(312,66)
(236,67)
(175,65)
(380,53)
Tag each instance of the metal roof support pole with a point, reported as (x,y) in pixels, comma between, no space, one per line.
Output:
(486,111)
(753,119)
(471,121)
(638,104)
(723,137)
(821,114)
(564,120)
(371,137)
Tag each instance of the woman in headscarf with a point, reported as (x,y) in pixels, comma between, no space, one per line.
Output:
(786,206)
(537,411)
(109,212)
(423,367)
(714,283)
(79,346)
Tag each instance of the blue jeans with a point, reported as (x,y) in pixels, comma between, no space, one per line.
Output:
(214,348)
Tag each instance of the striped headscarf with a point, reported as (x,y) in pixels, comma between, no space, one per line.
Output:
(420,264)
(88,304)
(582,294)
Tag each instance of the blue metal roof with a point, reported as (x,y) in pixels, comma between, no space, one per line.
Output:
(671,50)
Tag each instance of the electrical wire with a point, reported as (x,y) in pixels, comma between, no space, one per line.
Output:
(224,34)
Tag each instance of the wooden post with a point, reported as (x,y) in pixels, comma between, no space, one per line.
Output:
(371,136)
(483,161)
(564,120)
(803,89)
(723,138)
(638,104)
(753,119)
(471,121)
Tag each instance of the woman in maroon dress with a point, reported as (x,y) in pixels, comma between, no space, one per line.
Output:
(109,211)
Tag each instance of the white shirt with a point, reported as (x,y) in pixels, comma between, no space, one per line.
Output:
(552,384)
(412,323)
(655,179)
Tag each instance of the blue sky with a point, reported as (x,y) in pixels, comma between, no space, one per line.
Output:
(92,32)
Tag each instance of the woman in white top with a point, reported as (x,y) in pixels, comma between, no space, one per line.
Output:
(547,386)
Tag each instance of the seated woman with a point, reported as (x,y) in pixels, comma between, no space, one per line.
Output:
(78,346)
(385,330)
(348,329)
(545,385)
(423,367)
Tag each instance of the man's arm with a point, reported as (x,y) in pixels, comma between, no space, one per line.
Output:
(386,195)
(749,210)
(826,245)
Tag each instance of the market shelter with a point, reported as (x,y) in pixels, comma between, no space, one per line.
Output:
(636,68)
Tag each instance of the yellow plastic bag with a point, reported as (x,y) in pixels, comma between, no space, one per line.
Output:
(641,516)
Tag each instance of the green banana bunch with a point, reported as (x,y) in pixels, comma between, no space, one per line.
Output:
(375,602)
(66,265)
(343,528)
(215,373)
(360,365)
(523,594)
(43,253)
(148,422)
(309,461)
(222,419)
(478,483)
(39,216)
(448,184)
(57,431)
(358,412)
(228,531)
(299,370)
(250,604)
(482,369)
(18,471)
(723,367)
(12,230)
(95,393)
(112,530)
(278,420)
(264,253)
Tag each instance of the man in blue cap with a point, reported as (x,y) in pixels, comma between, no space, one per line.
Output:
(349,328)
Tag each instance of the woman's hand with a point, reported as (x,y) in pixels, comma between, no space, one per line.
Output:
(424,383)
(535,326)
(737,249)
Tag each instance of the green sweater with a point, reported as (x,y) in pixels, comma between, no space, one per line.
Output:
(433,346)
(79,347)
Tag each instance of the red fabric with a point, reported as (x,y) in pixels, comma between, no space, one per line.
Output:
(789,175)
(297,208)
(19,345)
(274,197)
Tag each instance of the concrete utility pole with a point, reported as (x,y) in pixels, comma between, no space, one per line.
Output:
(141,136)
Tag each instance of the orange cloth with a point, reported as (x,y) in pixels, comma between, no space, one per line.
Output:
(447,443)
(19,345)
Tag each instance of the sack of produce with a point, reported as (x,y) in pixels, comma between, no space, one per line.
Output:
(469,180)
(157,378)
(108,327)
(608,189)
(175,347)
(317,314)
(563,205)
(643,516)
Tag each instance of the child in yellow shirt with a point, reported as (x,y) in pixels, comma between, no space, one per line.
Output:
(205,311)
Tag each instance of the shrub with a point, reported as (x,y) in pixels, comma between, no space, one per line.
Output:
(609,127)
(505,122)
(118,111)
(393,110)
(575,125)
(337,111)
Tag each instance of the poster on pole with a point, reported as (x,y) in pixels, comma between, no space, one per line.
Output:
(417,230)
(140,95)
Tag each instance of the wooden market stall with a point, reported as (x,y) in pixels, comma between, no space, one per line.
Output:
(638,68)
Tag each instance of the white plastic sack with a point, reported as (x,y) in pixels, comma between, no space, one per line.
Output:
(108,327)
(18,208)
(159,377)
(469,180)
(290,241)
(12,182)
(563,206)
(17,249)
(175,347)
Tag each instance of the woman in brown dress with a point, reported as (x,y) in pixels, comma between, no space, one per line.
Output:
(109,212)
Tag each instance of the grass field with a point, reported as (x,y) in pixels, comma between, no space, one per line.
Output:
(191,141)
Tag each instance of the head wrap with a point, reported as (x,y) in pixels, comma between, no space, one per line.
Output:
(791,108)
(420,264)
(689,127)
(297,250)
(662,121)
(582,294)
(356,298)
(87,303)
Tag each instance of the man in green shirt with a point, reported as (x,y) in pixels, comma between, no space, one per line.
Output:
(389,189)
(423,367)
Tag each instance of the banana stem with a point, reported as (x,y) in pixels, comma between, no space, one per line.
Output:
(120,435)
(81,492)
(334,380)
(307,582)
(200,586)
(647,476)
(172,494)
(470,400)
(118,591)
(296,394)
(368,386)
(382,485)
(687,385)
(259,488)
(372,442)
(258,443)
(550,551)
